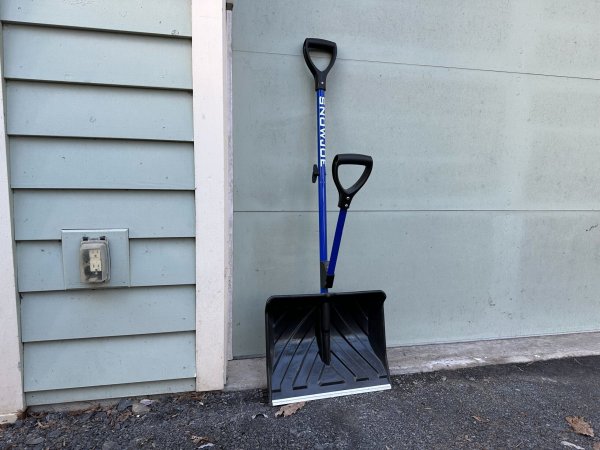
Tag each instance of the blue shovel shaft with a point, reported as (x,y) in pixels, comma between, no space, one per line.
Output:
(321,163)
(337,240)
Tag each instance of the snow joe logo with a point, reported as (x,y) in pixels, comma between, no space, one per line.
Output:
(321,131)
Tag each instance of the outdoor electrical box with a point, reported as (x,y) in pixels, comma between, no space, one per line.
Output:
(94,260)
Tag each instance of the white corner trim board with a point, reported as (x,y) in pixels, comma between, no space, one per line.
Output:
(209,57)
(229,187)
(11,377)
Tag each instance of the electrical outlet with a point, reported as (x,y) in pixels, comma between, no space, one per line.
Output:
(79,268)
(95,261)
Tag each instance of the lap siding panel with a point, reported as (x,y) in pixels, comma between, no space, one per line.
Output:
(99,118)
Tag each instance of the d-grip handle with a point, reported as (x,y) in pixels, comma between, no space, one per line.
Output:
(324,46)
(355,159)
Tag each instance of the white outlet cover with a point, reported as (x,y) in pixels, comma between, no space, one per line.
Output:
(118,244)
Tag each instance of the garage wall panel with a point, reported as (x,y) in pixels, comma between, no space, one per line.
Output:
(479,218)
(442,138)
(555,37)
(449,275)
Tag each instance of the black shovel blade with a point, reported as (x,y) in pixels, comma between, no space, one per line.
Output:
(295,370)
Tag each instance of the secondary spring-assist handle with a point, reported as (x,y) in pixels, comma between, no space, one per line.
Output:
(347,194)
(321,45)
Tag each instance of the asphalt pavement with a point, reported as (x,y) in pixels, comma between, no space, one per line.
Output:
(495,407)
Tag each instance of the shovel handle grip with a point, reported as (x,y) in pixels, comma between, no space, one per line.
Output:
(347,194)
(323,46)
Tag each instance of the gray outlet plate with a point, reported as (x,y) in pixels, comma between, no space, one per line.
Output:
(118,244)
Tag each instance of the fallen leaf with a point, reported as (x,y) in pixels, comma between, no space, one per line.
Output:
(570,444)
(199,439)
(580,426)
(596,445)
(290,409)
(124,416)
(44,426)
(191,396)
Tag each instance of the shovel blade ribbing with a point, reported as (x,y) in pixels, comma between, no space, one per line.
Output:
(297,371)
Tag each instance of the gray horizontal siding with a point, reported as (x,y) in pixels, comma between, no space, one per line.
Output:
(160,262)
(552,37)
(57,109)
(112,391)
(154,262)
(86,314)
(56,163)
(98,362)
(42,214)
(440,138)
(449,276)
(168,17)
(79,56)
(99,117)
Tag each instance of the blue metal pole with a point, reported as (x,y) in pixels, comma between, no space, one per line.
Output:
(337,239)
(321,163)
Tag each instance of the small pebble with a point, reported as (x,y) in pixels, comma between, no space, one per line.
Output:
(54,434)
(124,403)
(34,441)
(86,417)
(138,408)
(109,445)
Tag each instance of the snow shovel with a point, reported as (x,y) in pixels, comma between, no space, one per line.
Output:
(328,344)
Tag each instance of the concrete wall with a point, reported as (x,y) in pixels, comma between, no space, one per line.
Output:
(480,218)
